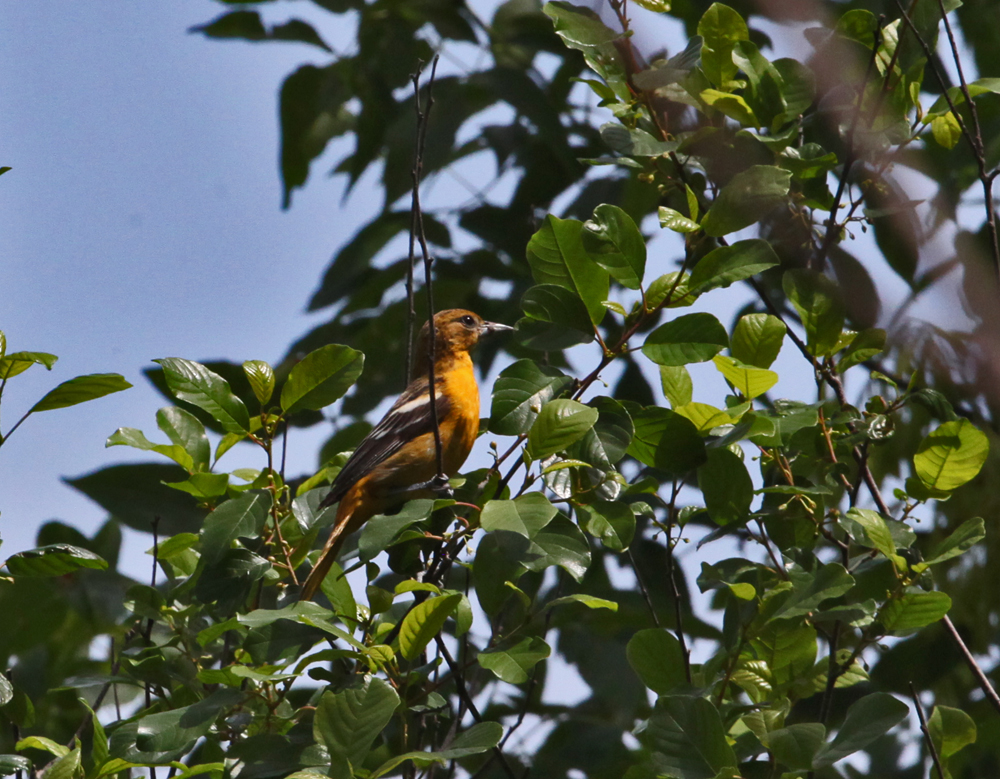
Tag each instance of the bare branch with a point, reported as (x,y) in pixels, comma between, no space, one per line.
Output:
(926,732)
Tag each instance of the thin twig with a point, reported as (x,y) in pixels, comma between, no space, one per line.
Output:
(463,693)
(927,734)
(418,222)
(985,178)
(643,589)
(850,158)
(672,578)
(974,139)
(984,682)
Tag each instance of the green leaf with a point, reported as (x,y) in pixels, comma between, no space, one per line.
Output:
(66,767)
(613,522)
(246,25)
(876,532)
(165,736)
(511,663)
(788,650)
(728,264)
(347,722)
(607,441)
(543,336)
(322,377)
(520,392)
(656,656)
(312,112)
(727,487)
(676,221)
(481,737)
(749,196)
(559,424)
(187,432)
(80,390)
(559,543)
(557,319)
(867,719)
(720,28)
(688,737)
(749,381)
(423,622)
(587,600)
(242,517)
(195,384)
(261,378)
(631,143)
(381,531)
(978,87)
(733,106)
(203,485)
(557,256)
(18,362)
(525,515)
(810,589)
(764,95)
(795,746)
(13,764)
(54,560)
(44,744)
(129,436)
(578,26)
(676,384)
(966,536)
(865,345)
(951,730)
(704,416)
(820,306)
(671,287)
(614,242)
(665,440)
(686,339)
(951,455)
(99,741)
(913,610)
(946,130)
(497,562)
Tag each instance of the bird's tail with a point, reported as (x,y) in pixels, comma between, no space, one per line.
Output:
(351,514)
(326,560)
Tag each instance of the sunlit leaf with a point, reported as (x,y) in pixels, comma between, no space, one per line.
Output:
(951,455)
(321,377)
(80,390)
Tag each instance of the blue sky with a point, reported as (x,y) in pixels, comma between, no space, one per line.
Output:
(141,219)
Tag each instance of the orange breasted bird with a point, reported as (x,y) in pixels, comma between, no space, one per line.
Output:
(397,460)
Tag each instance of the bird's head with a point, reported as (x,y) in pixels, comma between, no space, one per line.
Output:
(457,330)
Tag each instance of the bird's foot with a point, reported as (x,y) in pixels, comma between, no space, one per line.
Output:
(439,485)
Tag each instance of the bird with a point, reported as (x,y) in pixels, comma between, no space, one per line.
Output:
(397,460)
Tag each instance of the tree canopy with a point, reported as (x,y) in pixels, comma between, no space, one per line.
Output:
(841,617)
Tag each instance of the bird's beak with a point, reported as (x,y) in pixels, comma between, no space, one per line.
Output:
(494,327)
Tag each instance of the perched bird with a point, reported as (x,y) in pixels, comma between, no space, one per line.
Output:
(397,460)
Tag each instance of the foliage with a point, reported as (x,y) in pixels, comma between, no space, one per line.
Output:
(69,393)
(431,652)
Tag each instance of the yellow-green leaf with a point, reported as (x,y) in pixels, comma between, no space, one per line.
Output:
(749,381)
(951,455)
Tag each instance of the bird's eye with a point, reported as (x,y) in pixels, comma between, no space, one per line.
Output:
(468,321)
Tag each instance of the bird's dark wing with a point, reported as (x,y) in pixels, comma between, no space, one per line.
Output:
(409,418)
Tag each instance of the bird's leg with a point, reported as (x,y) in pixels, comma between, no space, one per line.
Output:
(438,485)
